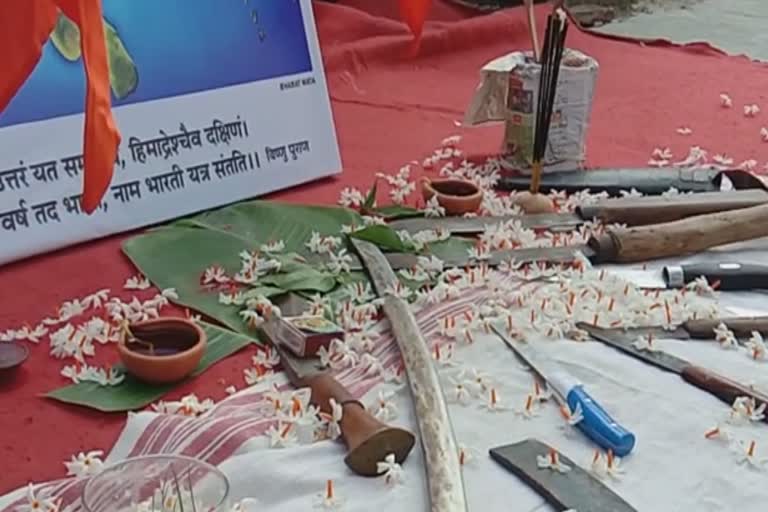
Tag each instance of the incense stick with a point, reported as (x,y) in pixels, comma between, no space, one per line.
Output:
(552,55)
(532,30)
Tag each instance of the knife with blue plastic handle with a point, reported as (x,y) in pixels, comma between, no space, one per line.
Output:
(596,424)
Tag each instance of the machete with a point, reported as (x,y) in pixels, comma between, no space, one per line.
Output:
(576,490)
(632,211)
(696,330)
(723,388)
(441,454)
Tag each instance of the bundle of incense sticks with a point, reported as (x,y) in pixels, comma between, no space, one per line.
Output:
(551,57)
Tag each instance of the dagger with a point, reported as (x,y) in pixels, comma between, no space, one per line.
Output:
(597,424)
(723,388)
(368,440)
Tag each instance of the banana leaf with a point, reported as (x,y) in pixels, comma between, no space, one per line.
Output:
(132,394)
(176,255)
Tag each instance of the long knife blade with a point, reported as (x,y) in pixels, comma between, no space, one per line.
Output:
(441,454)
(475,225)
(596,424)
(723,388)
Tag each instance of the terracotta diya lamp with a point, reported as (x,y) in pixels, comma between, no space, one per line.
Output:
(456,196)
(162,350)
(12,356)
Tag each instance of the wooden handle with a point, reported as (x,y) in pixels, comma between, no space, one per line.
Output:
(741,327)
(368,440)
(722,387)
(693,234)
(642,211)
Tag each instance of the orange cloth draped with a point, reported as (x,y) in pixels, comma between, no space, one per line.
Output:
(414,13)
(25,27)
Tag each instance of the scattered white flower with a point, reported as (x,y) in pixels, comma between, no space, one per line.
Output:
(718,432)
(189,405)
(756,347)
(529,410)
(748,165)
(282,435)
(273,247)
(255,375)
(747,453)
(684,130)
(451,141)
(97,299)
(722,159)
(764,134)
(37,504)
(215,275)
(384,409)
(71,309)
(725,101)
(613,466)
(84,464)
(751,110)
(269,358)
(351,197)
(572,416)
(725,337)
(552,462)
(340,262)
(230,390)
(645,343)
(433,208)
(334,419)
(170,294)
(399,290)
(662,153)
(459,392)
(137,282)
(390,470)
(494,402)
(329,500)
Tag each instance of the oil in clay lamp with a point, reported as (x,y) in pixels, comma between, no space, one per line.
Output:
(456,196)
(162,350)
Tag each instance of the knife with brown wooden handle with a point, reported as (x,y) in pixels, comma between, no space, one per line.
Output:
(722,387)
(368,440)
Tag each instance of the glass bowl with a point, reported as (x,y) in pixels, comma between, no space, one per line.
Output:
(158,483)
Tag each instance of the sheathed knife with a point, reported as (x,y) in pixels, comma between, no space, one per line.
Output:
(723,388)
(726,276)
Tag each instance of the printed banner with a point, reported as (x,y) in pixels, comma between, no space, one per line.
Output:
(216,101)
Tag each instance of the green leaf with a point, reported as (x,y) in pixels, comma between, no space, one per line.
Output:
(176,255)
(305,278)
(132,394)
(383,236)
(370,199)
(452,248)
(396,211)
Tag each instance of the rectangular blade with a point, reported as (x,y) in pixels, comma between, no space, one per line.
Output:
(547,254)
(623,341)
(475,225)
(645,279)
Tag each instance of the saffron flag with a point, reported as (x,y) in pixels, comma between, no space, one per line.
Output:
(24,29)
(414,13)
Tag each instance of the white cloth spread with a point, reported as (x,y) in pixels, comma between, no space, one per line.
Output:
(673,467)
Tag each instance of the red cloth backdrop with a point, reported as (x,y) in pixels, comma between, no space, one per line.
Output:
(389,110)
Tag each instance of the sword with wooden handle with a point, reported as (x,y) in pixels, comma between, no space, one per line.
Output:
(441,455)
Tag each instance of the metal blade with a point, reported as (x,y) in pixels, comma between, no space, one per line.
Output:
(377,265)
(298,369)
(543,368)
(623,340)
(475,225)
(644,279)
(400,260)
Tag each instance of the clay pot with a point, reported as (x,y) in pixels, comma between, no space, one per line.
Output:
(12,356)
(456,196)
(162,350)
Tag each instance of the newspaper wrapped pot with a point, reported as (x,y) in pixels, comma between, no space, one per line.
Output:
(508,92)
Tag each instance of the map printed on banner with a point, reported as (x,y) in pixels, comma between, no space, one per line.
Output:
(215,101)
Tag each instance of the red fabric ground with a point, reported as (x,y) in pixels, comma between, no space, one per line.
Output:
(389,109)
